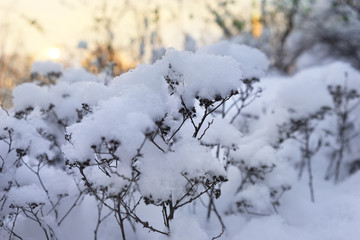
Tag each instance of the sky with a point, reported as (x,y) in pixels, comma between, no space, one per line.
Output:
(63,23)
(57,24)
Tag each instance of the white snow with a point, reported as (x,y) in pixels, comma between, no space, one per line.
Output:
(253,63)
(158,157)
(46,67)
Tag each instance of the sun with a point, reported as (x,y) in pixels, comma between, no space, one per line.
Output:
(54,53)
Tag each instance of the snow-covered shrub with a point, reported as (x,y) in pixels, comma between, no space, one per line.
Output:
(144,140)
(153,153)
(253,157)
(28,191)
(35,184)
(315,114)
(47,72)
(302,130)
(345,101)
(145,143)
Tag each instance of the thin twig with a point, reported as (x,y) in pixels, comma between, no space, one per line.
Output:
(70,209)
(208,126)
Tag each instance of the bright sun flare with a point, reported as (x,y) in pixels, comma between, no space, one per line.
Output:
(54,53)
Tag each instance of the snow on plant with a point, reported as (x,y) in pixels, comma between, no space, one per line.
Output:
(255,162)
(345,101)
(25,178)
(302,129)
(47,71)
(32,165)
(318,122)
(46,68)
(128,155)
(252,67)
(148,136)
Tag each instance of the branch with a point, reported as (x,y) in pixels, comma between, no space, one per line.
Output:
(209,124)
(137,219)
(3,108)
(71,208)
(184,120)
(218,236)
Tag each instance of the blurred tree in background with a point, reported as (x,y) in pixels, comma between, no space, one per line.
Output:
(291,28)
(286,30)
(106,54)
(14,65)
(12,69)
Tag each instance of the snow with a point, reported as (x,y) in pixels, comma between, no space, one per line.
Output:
(257,197)
(29,94)
(46,67)
(26,195)
(273,227)
(185,227)
(220,131)
(201,75)
(131,141)
(331,217)
(173,170)
(252,67)
(78,74)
